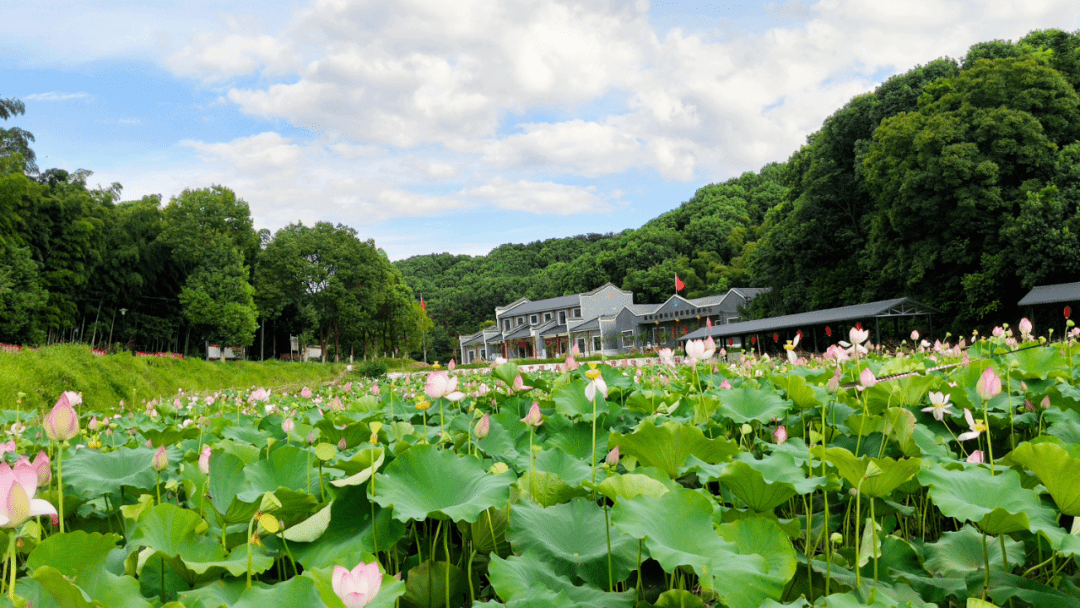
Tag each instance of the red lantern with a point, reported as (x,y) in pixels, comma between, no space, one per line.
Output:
(730,342)
(753,339)
(1068,311)
(776,337)
(858,326)
(828,331)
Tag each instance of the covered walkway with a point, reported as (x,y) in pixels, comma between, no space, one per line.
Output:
(813,321)
(1040,299)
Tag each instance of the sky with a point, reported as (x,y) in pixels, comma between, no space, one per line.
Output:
(457,126)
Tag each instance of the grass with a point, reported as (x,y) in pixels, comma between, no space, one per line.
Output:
(103,381)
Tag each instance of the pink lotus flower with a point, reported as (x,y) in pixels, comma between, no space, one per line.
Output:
(866,379)
(857,336)
(288,426)
(160,461)
(1025,328)
(571,364)
(483,427)
(347,388)
(18,487)
(41,467)
(7,447)
(612,458)
(976,457)
(667,357)
(534,418)
(374,390)
(695,349)
(261,394)
(341,445)
(358,587)
(204,460)
(306,393)
(998,332)
(724,384)
(450,366)
(780,435)
(989,384)
(437,385)
(519,385)
(62,423)
(915,335)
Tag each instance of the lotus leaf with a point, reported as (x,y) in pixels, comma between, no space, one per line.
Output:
(428,482)
(517,577)
(649,481)
(1055,468)
(685,537)
(997,504)
(667,447)
(81,557)
(90,473)
(549,488)
(960,553)
(892,474)
(570,401)
(571,538)
(348,532)
(425,585)
(49,589)
(746,404)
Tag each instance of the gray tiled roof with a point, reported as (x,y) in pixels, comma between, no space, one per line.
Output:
(554,330)
(643,309)
(1052,294)
(884,308)
(524,331)
(541,305)
(592,324)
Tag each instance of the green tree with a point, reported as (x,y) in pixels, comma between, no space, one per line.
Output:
(22,298)
(15,141)
(217,298)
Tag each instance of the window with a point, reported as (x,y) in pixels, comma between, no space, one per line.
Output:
(532,320)
(581,345)
(506,324)
(520,321)
(628,338)
(562,317)
(596,343)
(547,317)
(576,313)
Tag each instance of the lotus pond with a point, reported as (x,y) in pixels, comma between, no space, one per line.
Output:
(936,475)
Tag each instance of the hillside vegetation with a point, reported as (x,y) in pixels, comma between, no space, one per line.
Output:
(956,183)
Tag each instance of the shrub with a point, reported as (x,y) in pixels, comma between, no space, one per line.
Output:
(372,369)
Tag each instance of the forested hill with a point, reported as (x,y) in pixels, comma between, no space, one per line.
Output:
(956,183)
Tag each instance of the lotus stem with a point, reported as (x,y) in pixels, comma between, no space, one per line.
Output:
(446,550)
(11,560)
(250,565)
(60,485)
(858,515)
(874,538)
(594,464)
(1004,556)
(986,563)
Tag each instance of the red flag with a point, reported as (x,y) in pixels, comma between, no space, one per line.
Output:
(423,306)
(679,285)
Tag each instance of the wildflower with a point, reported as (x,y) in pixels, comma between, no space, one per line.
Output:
(62,423)
(780,435)
(160,461)
(357,587)
(940,405)
(534,418)
(977,425)
(204,461)
(988,385)
(17,489)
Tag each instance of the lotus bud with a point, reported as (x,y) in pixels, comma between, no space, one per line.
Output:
(836,538)
(534,418)
(341,444)
(310,440)
(483,427)
(612,458)
(41,467)
(988,385)
(498,468)
(1045,403)
(866,379)
(450,366)
(780,435)
(746,429)
(62,423)
(724,384)
(288,426)
(160,461)
(204,461)
(833,385)
(915,335)
(357,587)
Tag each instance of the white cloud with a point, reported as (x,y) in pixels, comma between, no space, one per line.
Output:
(56,96)
(539,197)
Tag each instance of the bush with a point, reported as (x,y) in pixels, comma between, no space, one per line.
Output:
(372,369)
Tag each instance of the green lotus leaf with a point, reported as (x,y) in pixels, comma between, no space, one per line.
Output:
(507,372)
(170,531)
(1055,468)
(762,536)
(49,589)
(362,465)
(803,395)
(644,480)
(81,558)
(746,404)
(762,484)
(571,538)
(90,473)
(390,590)
(570,469)
(570,401)
(354,433)
(1036,363)
(169,435)
(997,504)
(960,553)
(1005,586)
(425,585)
(684,536)
(667,447)
(488,532)
(297,591)
(286,468)
(547,489)
(347,534)
(518,577)
(576,440)
(853,470)
(226,480)
(428,482)
(244,434)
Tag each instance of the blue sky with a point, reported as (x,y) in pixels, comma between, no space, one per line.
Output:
(459,126)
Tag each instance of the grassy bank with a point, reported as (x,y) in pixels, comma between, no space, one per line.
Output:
(104,381)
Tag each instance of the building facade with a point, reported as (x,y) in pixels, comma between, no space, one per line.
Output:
(603,321)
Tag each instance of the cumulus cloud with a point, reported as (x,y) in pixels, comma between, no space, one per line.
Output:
(539,197)
(56,96)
